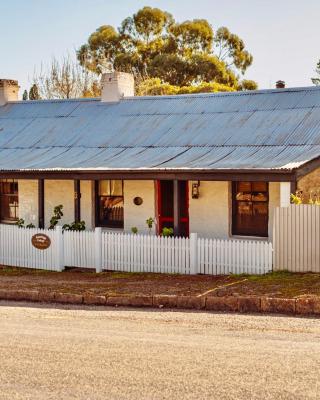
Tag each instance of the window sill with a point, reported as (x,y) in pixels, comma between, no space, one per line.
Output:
(257,238)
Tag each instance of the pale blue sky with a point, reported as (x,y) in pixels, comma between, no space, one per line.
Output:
(282,35)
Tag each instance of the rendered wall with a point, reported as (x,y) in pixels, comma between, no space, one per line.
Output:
(59,192)
(274,201)
(209,214)
(137,215)
(87,203)
(28,201)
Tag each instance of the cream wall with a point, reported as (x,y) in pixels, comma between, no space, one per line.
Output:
(59,192)
(28,201)
(209,214)
(137,215)
(87,203)
(274,201)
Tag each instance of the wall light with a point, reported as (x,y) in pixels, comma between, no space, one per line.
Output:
(195,190)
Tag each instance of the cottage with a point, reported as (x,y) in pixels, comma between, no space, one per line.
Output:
(216,164)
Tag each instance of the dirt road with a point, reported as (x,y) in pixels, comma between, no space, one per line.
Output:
(48,353)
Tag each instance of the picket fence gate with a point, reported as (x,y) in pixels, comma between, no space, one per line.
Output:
(133,253)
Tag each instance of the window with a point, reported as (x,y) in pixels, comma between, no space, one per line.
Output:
(9,202)
(250,208)
(110,203)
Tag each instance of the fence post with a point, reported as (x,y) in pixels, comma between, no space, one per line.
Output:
(98,249)
(193,253)
(60,249)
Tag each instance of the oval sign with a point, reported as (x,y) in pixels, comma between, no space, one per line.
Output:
(41,241)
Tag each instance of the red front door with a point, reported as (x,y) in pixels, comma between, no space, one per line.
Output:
(165,206)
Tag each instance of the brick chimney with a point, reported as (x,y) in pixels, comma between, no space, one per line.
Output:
(280,84)
(116,85)
(9,91)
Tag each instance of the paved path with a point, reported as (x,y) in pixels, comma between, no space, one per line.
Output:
(48,353)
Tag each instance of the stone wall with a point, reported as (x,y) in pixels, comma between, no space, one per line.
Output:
(310,185)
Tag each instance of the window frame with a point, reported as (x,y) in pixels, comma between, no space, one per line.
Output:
(262,232)
(6,219)
(98,197)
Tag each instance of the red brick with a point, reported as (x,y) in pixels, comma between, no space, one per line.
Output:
(225,303)
(92,299)
(191,302)
(308,306)
(68,298)
(278,305)
(249,304)
(168,301)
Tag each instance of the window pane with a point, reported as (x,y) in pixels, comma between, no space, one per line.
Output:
(244,186)
(111,211)
(259,186)
(116,188)
(9,201)
(250,208)
(104,188)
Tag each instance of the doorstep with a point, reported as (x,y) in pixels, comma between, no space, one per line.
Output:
(300,306)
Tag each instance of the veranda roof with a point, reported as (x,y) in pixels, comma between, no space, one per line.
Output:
(264,129)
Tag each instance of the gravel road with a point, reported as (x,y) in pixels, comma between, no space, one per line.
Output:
(69,353)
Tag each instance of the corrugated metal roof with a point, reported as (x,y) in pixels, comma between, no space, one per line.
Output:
(266,129)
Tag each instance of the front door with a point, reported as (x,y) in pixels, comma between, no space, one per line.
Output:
(166,208)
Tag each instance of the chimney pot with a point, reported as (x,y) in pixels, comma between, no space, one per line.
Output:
(9,90)
(280,84)
(116,85)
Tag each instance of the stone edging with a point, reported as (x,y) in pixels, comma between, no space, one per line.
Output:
(244,304)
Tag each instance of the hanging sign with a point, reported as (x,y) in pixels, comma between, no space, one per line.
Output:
(41,241)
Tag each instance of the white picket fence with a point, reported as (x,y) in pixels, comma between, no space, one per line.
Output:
(134,253)
(221,257)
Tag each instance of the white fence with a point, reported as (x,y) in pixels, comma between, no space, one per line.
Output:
(134,253)
(297,238)
(220,257)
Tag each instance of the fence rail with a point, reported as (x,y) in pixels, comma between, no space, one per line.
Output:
(134,253)
(297,238)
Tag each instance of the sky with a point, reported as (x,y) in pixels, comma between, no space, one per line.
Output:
(282,35)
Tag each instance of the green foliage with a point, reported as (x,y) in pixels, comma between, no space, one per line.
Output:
(75,226)
(34,93)
(247,85)
(150,222)
(134,230)
(167,232)
(295,199)
(21,223)
(57,215)
(25,96)
(155,87)
(316,81)
(151,44)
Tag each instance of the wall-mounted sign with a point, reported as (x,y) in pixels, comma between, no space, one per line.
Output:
(41,241)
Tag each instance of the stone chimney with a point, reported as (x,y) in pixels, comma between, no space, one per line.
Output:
(280,84)
(9,90)
(116,85)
